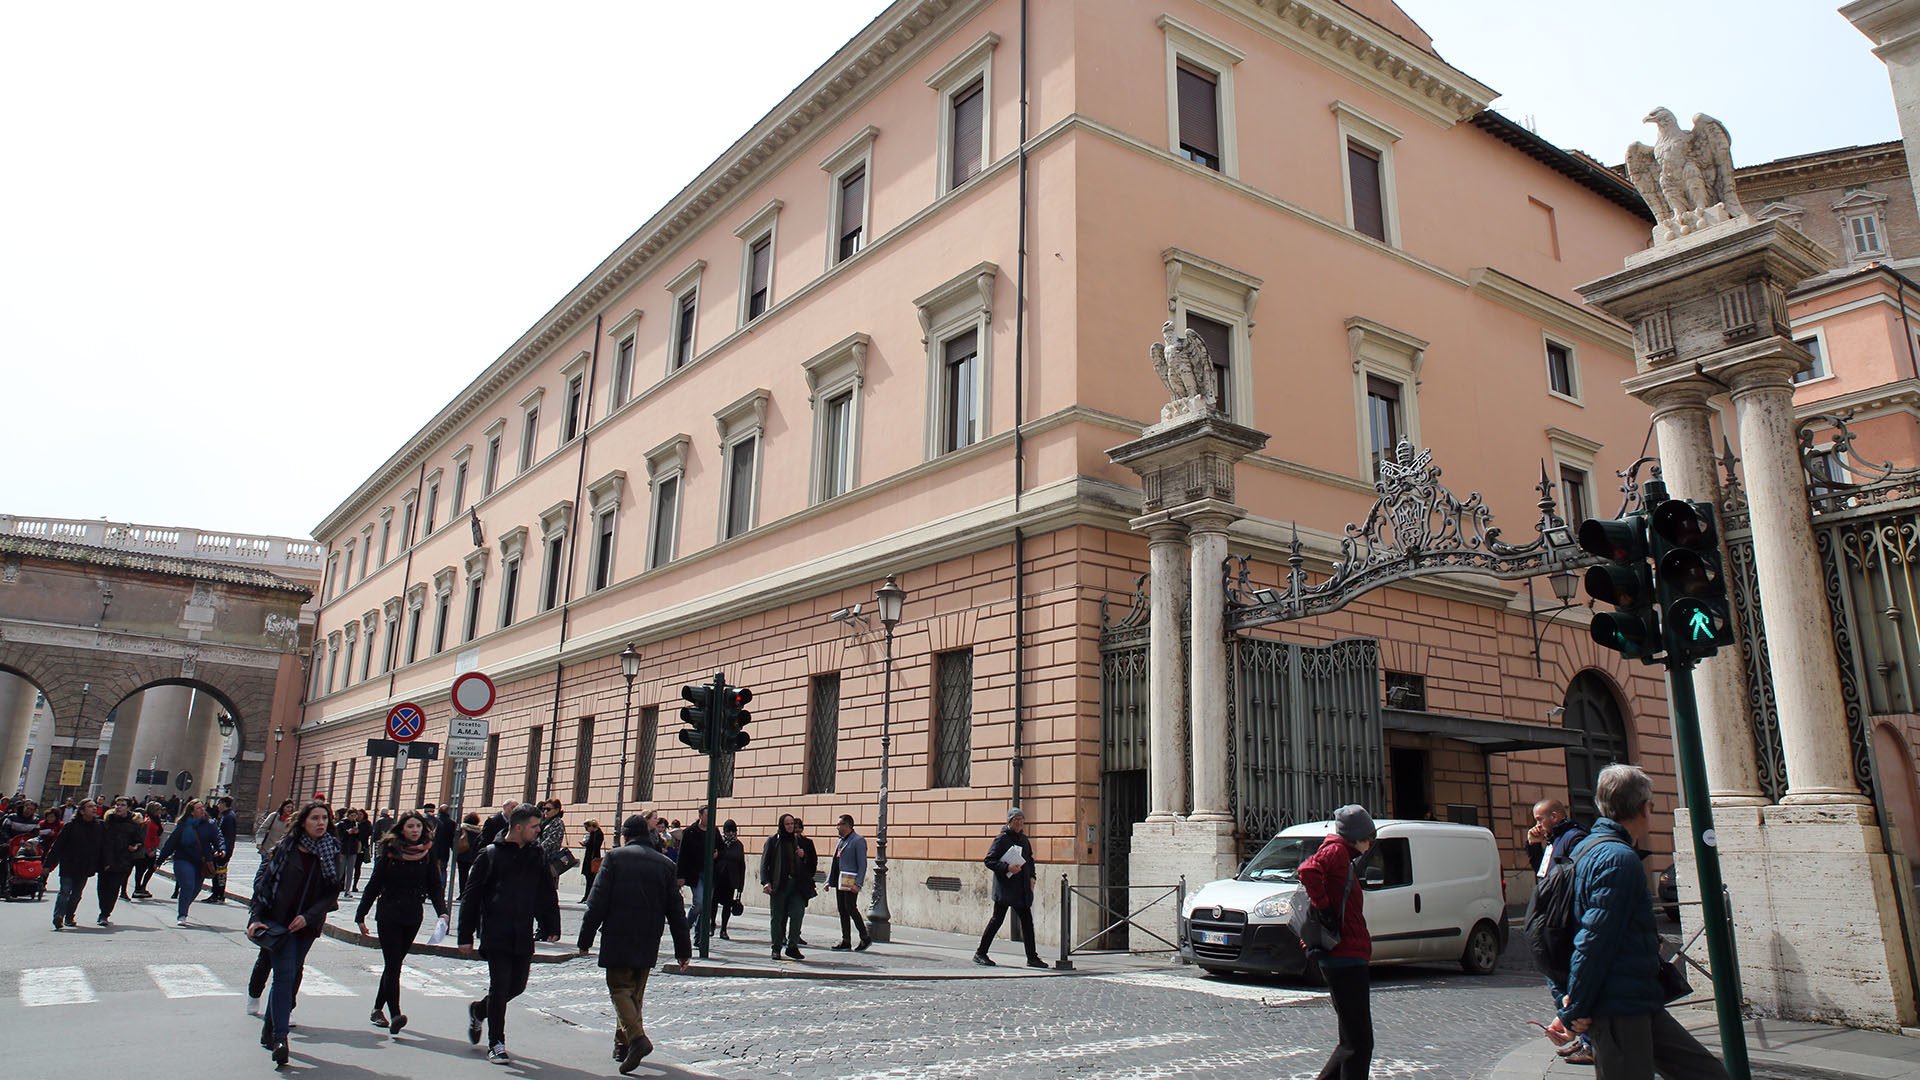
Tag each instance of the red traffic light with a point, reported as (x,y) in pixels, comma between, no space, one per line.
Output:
(1617,539)
(1684,524)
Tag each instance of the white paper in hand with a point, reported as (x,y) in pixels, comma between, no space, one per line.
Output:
(1014,859)
(439,931)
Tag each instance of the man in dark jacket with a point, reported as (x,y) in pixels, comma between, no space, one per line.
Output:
(444,830)
(229,830)
(788,879)
(1011,859)
(1613,988)
(848,877)
(1550,843)
(497,824)
(126,844)
(510,888)
(79,851)
(633,895)
(692,859)
(1331,877)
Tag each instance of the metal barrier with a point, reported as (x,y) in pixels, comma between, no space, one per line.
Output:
(1068,892)
(1687,961)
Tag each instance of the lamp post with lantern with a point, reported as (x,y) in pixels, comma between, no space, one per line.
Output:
(891,599)
(629,670)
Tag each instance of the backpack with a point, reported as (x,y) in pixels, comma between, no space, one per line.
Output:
(1319,929)
(1551,921)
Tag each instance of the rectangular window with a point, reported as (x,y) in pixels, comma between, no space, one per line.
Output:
(1363,185)
(666,499)
(1865,230)
(1218,338)
(962,356)
(823,734)
(392,656)
(442,611)
(683,328)
(576,396)
(1559,368)
(1383,418)
(953,719)
(433,507)
(623,371)
(366,661)
(366,552)
(333,667)
(583,760)
(853,209)
(413,634)
(643,756)
(509,589)
(759,276)
(353,767)
(406,524)
(1819,368)
(386,527)
(459,489)
(492,478)
(529,436)
(473,608)
(838,466)
(740,486)
(493,769)
(420,785)
(969,116)
(603,551)
(1199,95)
(555,547)
(531,787)
(351,643)
(1573,495)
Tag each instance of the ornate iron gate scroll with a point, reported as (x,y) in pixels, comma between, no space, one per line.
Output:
(1124,749)
(1307,733)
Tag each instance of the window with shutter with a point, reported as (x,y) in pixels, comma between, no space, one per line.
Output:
(1363,187)
(1383,417)
(623,371)
(760,271)
(968,106)
(1573,495)
(666,499)
(853,208)
(1218,338)
(683,329)
(1559,368)
(1199,99)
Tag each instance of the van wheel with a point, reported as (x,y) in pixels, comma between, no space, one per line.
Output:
(1482,953)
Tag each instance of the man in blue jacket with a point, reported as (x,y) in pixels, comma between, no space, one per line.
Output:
(1613,988)
(850,862)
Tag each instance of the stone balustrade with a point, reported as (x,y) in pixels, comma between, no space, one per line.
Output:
(271,552)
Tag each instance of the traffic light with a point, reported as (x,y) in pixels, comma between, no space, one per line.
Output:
(734,718)
(1625,580)
(1689,576)
(696,716)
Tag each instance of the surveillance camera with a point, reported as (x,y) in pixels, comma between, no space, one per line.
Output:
(841,615)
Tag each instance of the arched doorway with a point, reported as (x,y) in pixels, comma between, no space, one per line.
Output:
(1898,790)
(26,734)
(1593,709)
(167,738)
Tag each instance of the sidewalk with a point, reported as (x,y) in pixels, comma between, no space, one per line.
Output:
(914,954)
(1776,1049)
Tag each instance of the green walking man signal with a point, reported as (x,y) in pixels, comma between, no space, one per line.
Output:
(1664,577)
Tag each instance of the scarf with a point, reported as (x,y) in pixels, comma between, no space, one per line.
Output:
(406,852)
(326,850)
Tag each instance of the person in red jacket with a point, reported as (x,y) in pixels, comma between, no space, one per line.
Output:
(1325,876)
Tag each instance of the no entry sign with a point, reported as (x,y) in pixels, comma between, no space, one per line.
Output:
(405,722)
(472,694)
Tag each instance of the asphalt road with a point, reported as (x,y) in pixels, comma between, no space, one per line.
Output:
(148,998)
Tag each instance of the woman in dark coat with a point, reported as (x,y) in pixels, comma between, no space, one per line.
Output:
(1011,860)
(403,878)
(1325,876)
(729,874)
(295,888)
(466,847)
(590,856)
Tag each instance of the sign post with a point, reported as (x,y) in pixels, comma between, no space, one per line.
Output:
(473,694)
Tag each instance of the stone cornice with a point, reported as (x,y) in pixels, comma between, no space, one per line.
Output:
(892,41)
(1901,396)
(120,642)
(1557,314)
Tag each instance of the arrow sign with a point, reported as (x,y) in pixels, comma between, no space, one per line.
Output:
(406,722)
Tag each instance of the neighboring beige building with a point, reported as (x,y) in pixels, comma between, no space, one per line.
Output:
(837,355)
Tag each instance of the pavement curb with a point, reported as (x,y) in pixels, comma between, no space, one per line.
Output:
(1531,1060)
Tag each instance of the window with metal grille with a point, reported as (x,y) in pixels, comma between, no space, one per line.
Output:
(1218,338)
(962,355)
(1406,690)
(853,211)
(643,757)
(1199,100)
(1364,189)
(493,768)
(1383,417)
(420,785)
(683,328)
(583,760)
(969,116)
(346,793)
(823,734)
(953,719)
(531,788)
(373,781)
(1559,368)
(759,276)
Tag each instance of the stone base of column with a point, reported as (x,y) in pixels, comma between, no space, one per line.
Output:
(1815,911)
(1163,853)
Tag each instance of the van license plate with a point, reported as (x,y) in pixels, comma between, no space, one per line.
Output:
(1208,937)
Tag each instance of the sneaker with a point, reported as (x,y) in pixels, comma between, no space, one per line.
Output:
(103,921)
(498,1054)
(842,947)
(378,1019)
(474,1020)
(399,1021)
(253,1006)
(794,954)
(635,1052)
(72,922)
(776,952)
(1036,962)
(984,960)
(280,1050)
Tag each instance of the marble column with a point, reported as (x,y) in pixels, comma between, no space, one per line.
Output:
(1166,700)
(1209,523)
(1806,673)
(1682,422)
(1894,28)
(40,721)
(117,776)
(162,733)
(201,747)
(16,724)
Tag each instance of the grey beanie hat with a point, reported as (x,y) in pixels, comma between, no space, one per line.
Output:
(1353,824)
(1016,812)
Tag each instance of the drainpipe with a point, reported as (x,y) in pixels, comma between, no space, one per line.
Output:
(1019,439)
(573,546)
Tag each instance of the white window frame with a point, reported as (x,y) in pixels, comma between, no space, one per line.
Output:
(494,439)
(627,327)
(416,602)
(742,421)
(841,369)
(1574,382)
(1818,334)
(476,566)
(958,74)
(1216,57)
(370,631)
(386,535)
(333,576)
(668,461)
(1571,451)
(530,430)
(603,497)
(513,549)
(1358,127)
(462,475)
(333,660)
(390,656)
(686,281)
(1862,203)
(1386,353)
(351,545)
(352,639)
(1219,292)
(763,225)
(430,503)
(855,153)
(577,368)
(555,521)
(961,303)
(443,582)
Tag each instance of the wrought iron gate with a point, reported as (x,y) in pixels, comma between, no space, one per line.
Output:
(1307,732)
(1124,751)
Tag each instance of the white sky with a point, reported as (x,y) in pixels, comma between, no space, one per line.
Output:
(224,221)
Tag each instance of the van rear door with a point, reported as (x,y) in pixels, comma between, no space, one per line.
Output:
(1389,901)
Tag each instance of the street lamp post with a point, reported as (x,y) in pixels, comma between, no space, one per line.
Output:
(1565,584)
(629,670)
(273,777)
(891,598)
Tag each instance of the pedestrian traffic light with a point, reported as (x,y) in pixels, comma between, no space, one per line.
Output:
(1624,580)
(734,718)
(1688,574)
(696,716)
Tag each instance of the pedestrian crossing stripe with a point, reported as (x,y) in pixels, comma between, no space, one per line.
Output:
(55,986)
(419,982)
(70,986)
(189,981)
(319,984)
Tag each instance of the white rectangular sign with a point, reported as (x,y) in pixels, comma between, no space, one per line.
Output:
(458,748)
(467,727)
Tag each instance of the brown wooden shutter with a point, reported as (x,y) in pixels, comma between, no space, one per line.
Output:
(853,203)
(762,268)
(968,115)
(1219,342)
(1363,180)
(1199,114)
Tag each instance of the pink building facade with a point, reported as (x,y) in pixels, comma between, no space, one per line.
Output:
(895,329)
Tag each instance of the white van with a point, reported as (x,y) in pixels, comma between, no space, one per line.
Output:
(1434,894)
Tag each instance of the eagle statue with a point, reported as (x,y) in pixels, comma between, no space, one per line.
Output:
(1183,364)
(1686,176)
